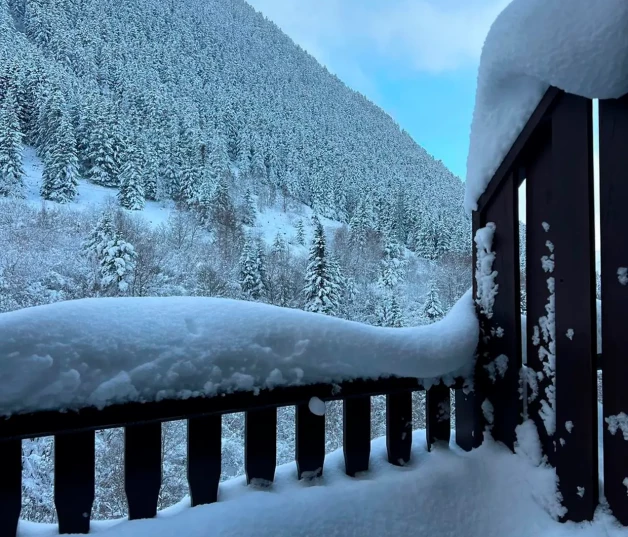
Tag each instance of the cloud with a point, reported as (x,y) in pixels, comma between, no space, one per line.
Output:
(424,35)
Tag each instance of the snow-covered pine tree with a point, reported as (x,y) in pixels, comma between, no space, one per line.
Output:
(131,193)
(300,238)
(392,263)
(322,291)
(116,267)
(114,258)
(60,175)
(432,308)
(249,211)
(11,171)
(252,271)
(388,311)
(359,225)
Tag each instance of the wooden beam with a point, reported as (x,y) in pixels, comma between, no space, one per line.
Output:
(516,151)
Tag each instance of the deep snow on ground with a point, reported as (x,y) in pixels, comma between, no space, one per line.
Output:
(488,492)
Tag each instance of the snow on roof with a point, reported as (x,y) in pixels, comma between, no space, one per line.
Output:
(580,46)
(101,351)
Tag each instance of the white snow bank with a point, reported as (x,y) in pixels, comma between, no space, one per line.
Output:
(486,493)
(100,351)
(578,46)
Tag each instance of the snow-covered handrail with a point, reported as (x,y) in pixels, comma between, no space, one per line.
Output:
(99,352)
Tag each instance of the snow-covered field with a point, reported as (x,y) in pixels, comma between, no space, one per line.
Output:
(270,221)
(488,492)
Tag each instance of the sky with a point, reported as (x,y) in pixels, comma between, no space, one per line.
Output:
(417,59)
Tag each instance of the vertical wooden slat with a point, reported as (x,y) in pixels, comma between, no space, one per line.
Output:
(399,427)
(260,446)
(437,414)
(10,486)
(500,351)
(356,422)
(204,458)
(576,375)
(142,469)
(540,227)
(614,251)
(469,419)
(310,442)
(74,480)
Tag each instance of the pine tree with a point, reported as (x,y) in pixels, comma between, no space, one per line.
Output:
(131,193)
(252,271)
(11,172)
(60,175)
(249,211)
(388,311)
(432,308)
(113,257)
(359,225)
(300,238)
(322,289)
(391,272)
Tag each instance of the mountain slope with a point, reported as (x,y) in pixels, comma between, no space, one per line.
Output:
(185,88)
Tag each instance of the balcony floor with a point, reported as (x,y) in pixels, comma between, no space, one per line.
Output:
(488,492)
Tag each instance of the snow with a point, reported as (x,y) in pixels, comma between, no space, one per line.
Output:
(497,368)
(100,351)
(90,195)
(577,46)
(484,273)
(618,423)
(569,426)
(622,275)
(488,492)
(316,406)
(570,333)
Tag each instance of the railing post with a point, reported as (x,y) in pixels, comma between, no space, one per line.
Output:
(74,480)
(204,458)
(614,250)
(437,414)
(10,486)
(576,372)
(142,469)
(356,423)
(540,240)
(260,450)
(499,353)
(399,427)
(310,442)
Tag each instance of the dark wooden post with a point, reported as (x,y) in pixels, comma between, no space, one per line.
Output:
(204,458)
(500,348)
(399,427)
(614,246)
(260,449)
(356,420)
(437,414)
(142,469)
(74,480)
(310,442)
(541,196)
(572,219)
(10,486)
(469,419)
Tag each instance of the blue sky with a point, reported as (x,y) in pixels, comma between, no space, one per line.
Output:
(417,59)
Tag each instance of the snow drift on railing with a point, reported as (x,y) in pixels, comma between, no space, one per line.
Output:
(579,46)
(101,351)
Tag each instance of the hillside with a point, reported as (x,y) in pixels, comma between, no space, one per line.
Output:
(203,117)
